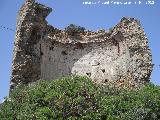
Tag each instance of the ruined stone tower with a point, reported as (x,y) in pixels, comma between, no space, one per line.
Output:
(44,52)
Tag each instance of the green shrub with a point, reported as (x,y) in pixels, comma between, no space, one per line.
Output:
(77,97)
(143,104)
(74,30)
(66,98)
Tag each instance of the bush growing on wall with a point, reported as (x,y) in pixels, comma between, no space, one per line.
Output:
(74,30)
(77,97)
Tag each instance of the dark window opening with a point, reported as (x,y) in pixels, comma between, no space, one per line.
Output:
(64,53)
(106,80)
(103,70)
(41,53)
(89,74)
(51,48)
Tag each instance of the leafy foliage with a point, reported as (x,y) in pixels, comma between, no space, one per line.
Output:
(74,30)
(78,97)
(143,104)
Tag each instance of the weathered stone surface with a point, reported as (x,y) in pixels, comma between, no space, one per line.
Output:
(30,26)
(41,51)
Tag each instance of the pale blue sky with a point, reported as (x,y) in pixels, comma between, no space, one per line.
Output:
(91,17)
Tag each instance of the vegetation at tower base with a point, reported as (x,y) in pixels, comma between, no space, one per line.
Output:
(78,97)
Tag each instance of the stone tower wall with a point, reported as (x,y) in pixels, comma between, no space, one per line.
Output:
(30,26)
(44,52)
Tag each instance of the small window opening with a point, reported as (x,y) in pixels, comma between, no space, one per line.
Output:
(88,74)
(64,53)
(103,70)
(51,48)
(106,80)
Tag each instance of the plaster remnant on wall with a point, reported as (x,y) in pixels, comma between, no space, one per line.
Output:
(44,52)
